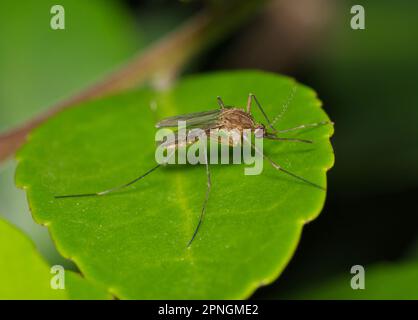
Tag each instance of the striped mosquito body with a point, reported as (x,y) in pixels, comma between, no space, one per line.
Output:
(227,119)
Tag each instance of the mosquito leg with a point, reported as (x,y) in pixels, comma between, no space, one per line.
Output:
(272,137)
(109,190)
(252,96)
(202,213)
(220,102)
(304,126)
(280,168)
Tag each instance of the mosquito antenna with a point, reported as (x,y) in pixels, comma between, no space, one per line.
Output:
(285,106)
(220,102)
(202,213)
(109,190)
(262,111)
(278,167)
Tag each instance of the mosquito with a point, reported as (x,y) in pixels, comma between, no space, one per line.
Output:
(224,118)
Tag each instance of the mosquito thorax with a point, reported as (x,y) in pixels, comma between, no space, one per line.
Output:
(236,119)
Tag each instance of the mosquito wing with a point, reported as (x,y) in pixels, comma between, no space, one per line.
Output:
(175,141)
(198,119)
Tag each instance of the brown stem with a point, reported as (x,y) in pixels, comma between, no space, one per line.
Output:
(168,55)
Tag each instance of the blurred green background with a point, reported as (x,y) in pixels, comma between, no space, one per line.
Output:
(367,80)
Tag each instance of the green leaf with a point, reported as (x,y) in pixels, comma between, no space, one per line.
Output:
(25,275)
(134,242)
(397,281)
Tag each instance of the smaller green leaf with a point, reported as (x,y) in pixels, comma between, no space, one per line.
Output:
(382,281)
(25,275)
